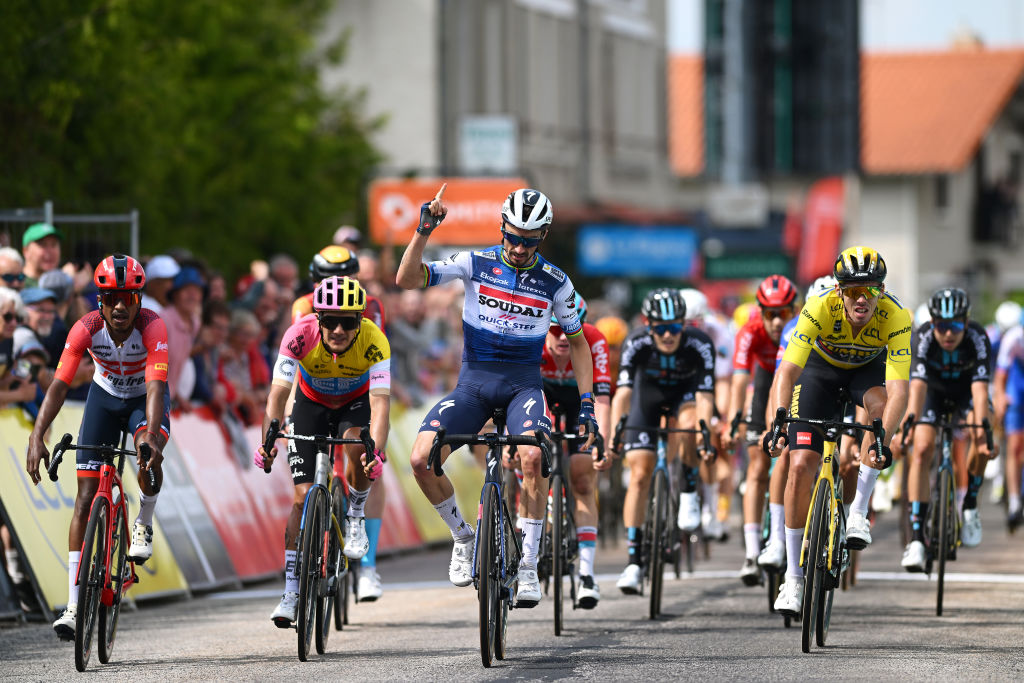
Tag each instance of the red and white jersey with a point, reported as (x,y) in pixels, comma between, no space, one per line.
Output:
(753,345)
(551,374)
(121,370)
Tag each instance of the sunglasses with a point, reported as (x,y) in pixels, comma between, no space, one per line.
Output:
(667,328)
(785,312)
(347,322)
(10,316)
(13,277)
(516,240)
(128,298)
(950,325)
(857,291)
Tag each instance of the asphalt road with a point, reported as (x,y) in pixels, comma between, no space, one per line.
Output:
(885,628)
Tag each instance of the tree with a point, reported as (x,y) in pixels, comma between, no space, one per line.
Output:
(206,115)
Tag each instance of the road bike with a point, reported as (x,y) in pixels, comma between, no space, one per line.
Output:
(498,550)
(824,552)
(943,525)
(105,572)
(662,541)
(320,563)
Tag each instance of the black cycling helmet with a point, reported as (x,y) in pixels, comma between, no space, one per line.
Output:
(949,303)
(858,265)
(333,260)
(664,304)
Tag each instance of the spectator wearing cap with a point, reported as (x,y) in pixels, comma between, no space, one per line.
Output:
(183,317)
(37,324)
(348,237)
(160,273)
(12,268)
(70,307)
(40,245)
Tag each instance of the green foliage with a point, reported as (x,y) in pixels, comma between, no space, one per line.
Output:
(206,115)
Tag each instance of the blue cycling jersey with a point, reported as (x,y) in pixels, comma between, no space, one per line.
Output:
(508,310)
(787,334)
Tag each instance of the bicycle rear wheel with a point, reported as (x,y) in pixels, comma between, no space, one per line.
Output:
(338,506)
(658,512)
(331,579)
(558,548)
(489,586)
(91,569)
(310,560)
(119,566)
(813,575)
(944,546)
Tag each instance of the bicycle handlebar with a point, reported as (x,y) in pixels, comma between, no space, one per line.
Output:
(274,433)
(706,447)
(781,419)
(64,445)
(986,425)
(489,439)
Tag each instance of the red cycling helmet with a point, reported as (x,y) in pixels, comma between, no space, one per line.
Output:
(776,291)
(119,272)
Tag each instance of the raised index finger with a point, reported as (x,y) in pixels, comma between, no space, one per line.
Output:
(440,193)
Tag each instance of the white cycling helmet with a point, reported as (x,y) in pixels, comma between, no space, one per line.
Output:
(696,303)
(821,285)
(922,315)
(527,209)
(1008,314)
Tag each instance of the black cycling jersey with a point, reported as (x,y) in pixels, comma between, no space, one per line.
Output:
(692,364)
(951,372)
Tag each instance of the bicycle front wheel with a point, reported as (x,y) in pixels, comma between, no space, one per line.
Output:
(331,578)
(943,548)
(91,570)
(658,509)
(488,557)
(310,560)
(558,546)
(814,572)
(119,566)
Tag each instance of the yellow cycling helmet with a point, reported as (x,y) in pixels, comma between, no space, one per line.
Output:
(339,294)
(333,260)
(859,265)
(613,328)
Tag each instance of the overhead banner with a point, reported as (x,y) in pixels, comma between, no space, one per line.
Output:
(638,250)
(474,209)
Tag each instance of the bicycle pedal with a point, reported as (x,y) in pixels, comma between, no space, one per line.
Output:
(283,623)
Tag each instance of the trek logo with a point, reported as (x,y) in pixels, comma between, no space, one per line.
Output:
(803,438)
(528,406)
(445,405)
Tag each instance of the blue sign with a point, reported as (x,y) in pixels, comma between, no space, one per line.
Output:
(637,250)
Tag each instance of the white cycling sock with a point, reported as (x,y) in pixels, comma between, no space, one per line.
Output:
(1014,503)
(532,529)
(710,505)
(449,511)
(778,512)
(356,502)
(73,559)
(291,579)
(13,566)
(146,506)
(866,479)
(752,539)
(587,538)
(794,541)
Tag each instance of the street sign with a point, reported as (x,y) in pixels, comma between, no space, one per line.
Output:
(488,144)
(744,266)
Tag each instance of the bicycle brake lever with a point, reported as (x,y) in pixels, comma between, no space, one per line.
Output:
(146,452)
(58,455)
(368,444)
(273,430)
(434,459)
(545,454)
(987,426)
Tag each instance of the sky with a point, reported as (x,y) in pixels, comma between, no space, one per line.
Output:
(890,25)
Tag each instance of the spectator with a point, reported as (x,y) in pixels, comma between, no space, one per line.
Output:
(70,307)
(38,323)
(84,297)
(13,387)
(285,272)
(40,245)
(216,287)
(348,237)
(370,274)
(11,268)
(160,273)
(213,335)
(245,371)
(183,318)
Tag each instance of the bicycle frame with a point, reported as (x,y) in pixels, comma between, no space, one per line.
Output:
(828,474)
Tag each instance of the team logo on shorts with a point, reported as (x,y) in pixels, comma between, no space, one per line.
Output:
(528,423)
(435,423)
(803,438)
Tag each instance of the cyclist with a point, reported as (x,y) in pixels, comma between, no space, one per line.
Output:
(1009,409)
(668,366)
(757,344)
(950,363)
(560,388)
(860,337)
(341,262)
(511,293)
(342,362)
(700,315)
(129,392)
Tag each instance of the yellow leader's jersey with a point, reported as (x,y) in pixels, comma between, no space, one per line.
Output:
(823,326)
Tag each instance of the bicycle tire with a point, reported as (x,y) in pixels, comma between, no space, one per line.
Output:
(659,511)
(338,506)
(510,558)
(119,563)
(829,579)
(558,548)
(812,578)
(309,573)
(945,531)
(332,578)
(91,570)
(489,578)
(773,583)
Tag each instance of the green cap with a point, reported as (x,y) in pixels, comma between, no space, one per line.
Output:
(37,232)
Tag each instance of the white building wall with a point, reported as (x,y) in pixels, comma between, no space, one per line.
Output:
(886,218)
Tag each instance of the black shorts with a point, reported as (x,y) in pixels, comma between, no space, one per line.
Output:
(310,417)
(105,417)
(817,393)
(645,409)
(937,402)
(759,402)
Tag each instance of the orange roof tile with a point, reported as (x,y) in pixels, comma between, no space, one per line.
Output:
(926,112)
(686,114)
(921,112)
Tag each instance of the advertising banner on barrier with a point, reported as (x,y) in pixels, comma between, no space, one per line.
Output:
(40,515)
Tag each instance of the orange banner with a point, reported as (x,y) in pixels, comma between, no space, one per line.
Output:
(474,207)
